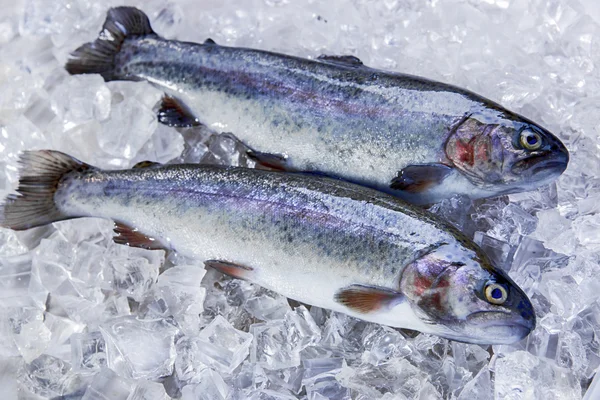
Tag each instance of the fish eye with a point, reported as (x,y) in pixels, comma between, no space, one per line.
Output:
(495,294)
(530,140)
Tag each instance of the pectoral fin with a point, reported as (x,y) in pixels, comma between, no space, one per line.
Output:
(419,178)
(173,112)
(365,299)
(132,237)
(271,162)
(229,268)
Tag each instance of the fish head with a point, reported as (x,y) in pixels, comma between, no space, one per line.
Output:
(505,153)
(459,295)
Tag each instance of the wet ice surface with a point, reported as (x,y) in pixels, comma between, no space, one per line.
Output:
(81,317)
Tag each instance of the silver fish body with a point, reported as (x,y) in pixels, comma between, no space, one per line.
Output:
(320,241)
(412,137)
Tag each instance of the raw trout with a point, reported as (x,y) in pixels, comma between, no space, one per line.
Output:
(317,240)
(415,138)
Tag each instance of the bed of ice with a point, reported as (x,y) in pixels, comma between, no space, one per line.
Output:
(81,317)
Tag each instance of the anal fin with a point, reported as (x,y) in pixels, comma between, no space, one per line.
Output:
(228,268)
(419,178)
(132,237)
(365,299)
(268,161)
(173,112)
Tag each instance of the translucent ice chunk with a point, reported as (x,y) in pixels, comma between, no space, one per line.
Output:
(267,305)
(522,375)
(39,112)
(32,339)
(278,343)
(555,231)
(128,341)
(587,231)
(479,387)
(180,288)
(130,126)
(303,329)
(221,346)
(107,385)
(88,352)
(211,387)
(166,144)
(188,364)
(49,376)
(571,353)
(382,344)
(499,251)
(146,390)
(52,261)
(132,277)
(61,329)
(15,274)
(81,99)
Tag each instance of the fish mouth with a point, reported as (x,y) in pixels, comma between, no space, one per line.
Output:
(546,164)
(501,327)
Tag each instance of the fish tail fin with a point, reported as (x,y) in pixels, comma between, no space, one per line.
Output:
(40,172)
(98,57)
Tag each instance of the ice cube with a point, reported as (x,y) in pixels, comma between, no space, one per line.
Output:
(267,305)
(80,99)
(39,112)
(571,353)
(226,149)
(61,330)
(33,339)
(289,379)
(195,140)
(132,277)
(49,377)
(302,328)
(88,352)
(168,18)
(146,390)
(130,126)
(211,387)
(555,231)
(166,144)
(480,387)
(221,346)
(522,375)
(382,344)
(180,287)
(53,260)
(500,252)
(107,385)
(277,344)
(188,364)
(15,275)
(139,348)
(587,231)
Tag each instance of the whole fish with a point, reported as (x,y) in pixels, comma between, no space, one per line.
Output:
(415,138)
(317,240)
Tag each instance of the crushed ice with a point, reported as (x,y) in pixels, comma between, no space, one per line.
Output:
(81,317)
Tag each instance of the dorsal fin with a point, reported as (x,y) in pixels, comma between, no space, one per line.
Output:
(349,61)
(209,41)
